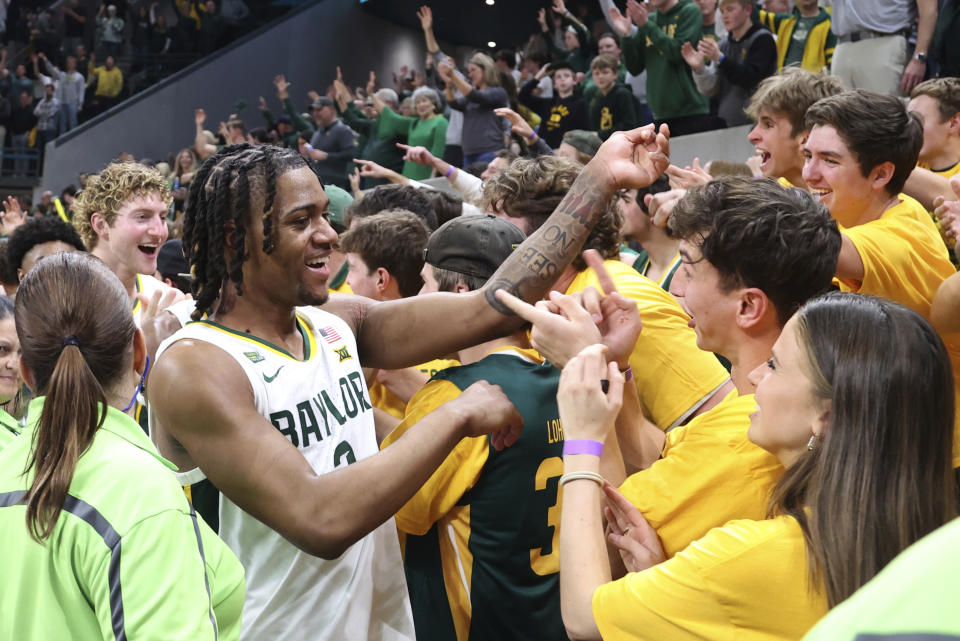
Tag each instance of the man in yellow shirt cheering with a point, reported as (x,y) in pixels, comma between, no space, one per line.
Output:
(861,149)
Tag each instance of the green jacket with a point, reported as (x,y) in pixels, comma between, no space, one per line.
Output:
(818,48)
(128,558)
(655,47)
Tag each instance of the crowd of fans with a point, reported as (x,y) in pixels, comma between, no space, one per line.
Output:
(591,393)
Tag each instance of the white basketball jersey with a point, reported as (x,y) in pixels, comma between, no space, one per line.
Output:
(321,405)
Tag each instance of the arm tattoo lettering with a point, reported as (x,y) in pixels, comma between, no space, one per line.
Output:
(538,262)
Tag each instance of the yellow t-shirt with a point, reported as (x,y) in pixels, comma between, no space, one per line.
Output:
(382,398)
(905,260)
(672,374)
(746,580)
(709,473)
(946,173)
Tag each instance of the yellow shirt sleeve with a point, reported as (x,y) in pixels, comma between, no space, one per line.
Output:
(904,258)
(745,581)
(457,474)
(710,473)
(672,374)
(382,398)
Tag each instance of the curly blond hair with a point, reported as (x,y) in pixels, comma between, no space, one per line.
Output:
(532,188)
(107,191)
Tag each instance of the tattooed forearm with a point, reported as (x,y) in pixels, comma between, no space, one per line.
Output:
(541,259)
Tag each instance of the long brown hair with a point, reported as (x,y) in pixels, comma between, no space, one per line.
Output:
(880,477)
(75,327)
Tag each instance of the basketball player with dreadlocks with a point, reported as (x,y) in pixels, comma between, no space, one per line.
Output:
(265,397)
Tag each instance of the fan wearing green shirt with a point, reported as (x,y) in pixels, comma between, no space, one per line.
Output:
(428,129)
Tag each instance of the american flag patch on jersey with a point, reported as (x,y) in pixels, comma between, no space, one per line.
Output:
(330,335)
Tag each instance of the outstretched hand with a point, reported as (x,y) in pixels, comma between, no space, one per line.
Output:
(426,17)
(629,532)
(691,56)
(419,155)
(688,177)
(520,126)
(633,159)
(565,325)
(620,22)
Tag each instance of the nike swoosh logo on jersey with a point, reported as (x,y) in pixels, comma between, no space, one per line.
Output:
(269,379)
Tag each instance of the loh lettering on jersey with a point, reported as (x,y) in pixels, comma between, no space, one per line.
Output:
(554,431)
(319,417)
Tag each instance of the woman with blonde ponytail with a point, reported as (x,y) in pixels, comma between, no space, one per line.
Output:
(100,542)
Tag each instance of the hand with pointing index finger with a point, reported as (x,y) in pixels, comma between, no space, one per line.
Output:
(564,325)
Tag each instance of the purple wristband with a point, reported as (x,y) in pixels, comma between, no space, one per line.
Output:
(449,172)
(582,446)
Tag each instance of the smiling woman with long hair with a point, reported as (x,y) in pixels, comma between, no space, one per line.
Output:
(857,403)
(100,542)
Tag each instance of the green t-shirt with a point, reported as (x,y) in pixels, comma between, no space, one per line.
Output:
(128,558)
(798,41)
(431,133)
(914,598)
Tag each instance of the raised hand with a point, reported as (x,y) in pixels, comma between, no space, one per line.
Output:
(313,95)
(445,69)
(12,217)
(199,117)
(542,19)
(620,22)
(283,87)
(263,103)
(633,159)
(426,17)
(354,179)
(559,7)
(638,12)
(660,205)
(688,177)
(630,533)
(159,301)
(709,48)
(520,126)
(339,74)
(487,410)
(691,56)
(587,411)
